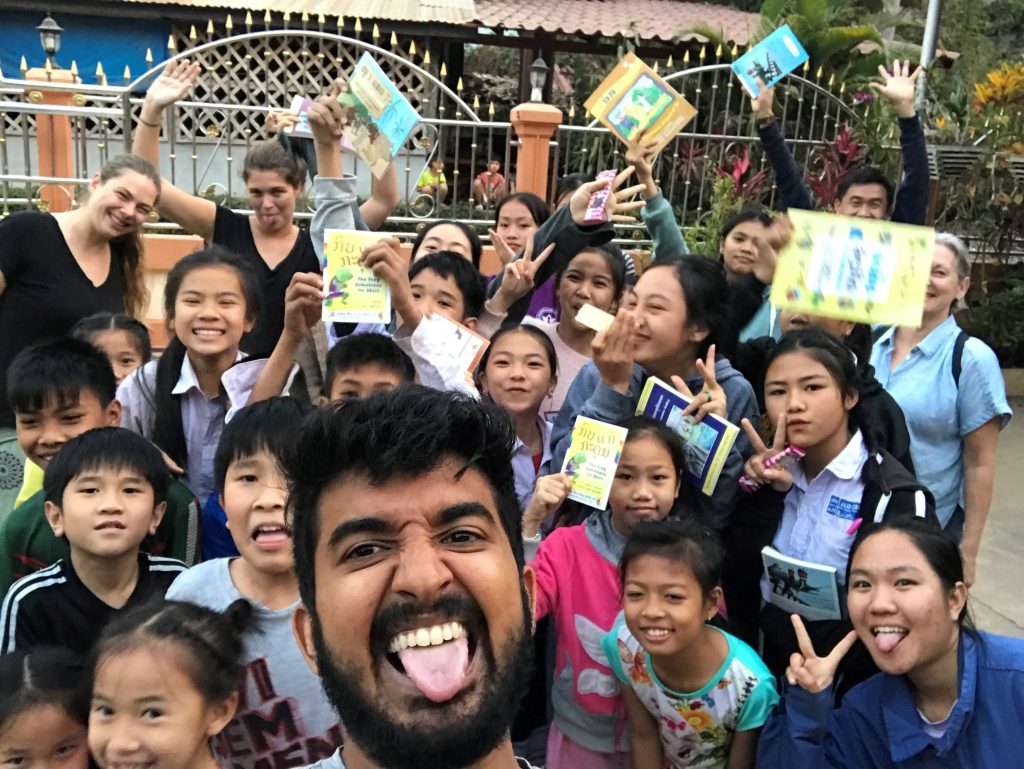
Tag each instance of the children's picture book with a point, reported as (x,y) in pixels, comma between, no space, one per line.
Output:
(864,270)
(633,99)
(801,587)
(706,443)
(300,107)
(595,449)
(463,344)
(380,118)
(352,293)
(770,60)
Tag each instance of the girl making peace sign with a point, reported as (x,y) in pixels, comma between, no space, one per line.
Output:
(843,479)
(679,314)
(947,696)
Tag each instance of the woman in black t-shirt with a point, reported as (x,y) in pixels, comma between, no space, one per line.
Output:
(56,269)
(268,239)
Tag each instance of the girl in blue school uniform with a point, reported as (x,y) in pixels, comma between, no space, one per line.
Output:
(843,480)
(953,396)
(947,695)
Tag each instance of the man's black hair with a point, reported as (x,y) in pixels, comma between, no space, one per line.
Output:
(106,448)
(357,350)
(263,426)
(867,175)
(59,371)
(470,282)
(400,434)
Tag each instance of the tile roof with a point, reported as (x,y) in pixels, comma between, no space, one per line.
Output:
(662,19)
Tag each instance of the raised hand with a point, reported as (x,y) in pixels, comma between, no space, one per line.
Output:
(640,154)
(618,204)
(809,671)
(519,278)
(327,119)
(899,87)
(279,121)
(386,260)
(763,104)
(303,303)
(173,84)
(612,351)
(779,477)
(549,493)
(711,399)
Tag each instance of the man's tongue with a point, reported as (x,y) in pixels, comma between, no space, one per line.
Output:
(438,671)
(886,642)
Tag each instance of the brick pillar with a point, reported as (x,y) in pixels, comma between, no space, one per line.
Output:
(534,124)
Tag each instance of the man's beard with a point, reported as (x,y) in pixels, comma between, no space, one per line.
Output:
(444,743)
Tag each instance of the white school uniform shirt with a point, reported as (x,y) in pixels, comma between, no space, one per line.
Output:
(817,514)
(202,417)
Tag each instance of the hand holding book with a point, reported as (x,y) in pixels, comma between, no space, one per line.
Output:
(619,204)
(779,477)
(809,671)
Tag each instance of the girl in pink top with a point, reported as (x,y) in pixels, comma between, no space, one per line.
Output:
(578,584)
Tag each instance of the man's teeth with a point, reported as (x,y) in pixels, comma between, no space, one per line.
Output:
(896,630)
(427,636)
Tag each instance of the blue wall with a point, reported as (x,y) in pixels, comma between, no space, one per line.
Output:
(86,40)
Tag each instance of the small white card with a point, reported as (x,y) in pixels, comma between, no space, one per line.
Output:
(591,317)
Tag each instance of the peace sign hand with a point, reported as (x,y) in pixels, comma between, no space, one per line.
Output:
(519,277)
(711,399)
(779,477)
(618,204)
(809,671)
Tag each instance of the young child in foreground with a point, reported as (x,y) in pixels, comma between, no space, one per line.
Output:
(276,684)
(44,708)
(165,681)
(105,491)
(58,391)
(695,695)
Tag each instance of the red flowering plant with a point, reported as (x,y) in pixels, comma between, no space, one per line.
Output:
(747,185)
(831,161)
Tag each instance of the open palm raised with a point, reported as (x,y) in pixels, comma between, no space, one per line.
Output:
(174,83)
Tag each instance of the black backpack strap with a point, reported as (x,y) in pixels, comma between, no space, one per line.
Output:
(878,333)
(958,355)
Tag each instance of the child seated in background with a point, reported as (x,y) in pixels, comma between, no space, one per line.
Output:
(105,491)
(254,495)
(695,695)
(363,364)
(433,181)
(489,187)
(57,392)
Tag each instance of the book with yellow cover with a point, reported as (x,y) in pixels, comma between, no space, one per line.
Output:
(864,270)
(633,99)
(595,449)
(352,293)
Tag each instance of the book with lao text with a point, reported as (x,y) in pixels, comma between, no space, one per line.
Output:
(595,449)
(380,118)
(352,293)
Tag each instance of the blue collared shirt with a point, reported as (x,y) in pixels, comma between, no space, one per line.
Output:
(939,414)
(879,726)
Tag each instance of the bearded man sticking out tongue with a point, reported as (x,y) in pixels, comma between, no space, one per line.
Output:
(417,605)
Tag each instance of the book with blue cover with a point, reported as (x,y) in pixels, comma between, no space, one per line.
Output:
(802,587)
(770,60)
(380,118)
(706,443)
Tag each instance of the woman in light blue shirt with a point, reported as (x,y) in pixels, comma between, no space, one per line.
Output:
(954,422)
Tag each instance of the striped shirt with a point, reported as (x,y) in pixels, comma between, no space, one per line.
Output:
(53,607)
